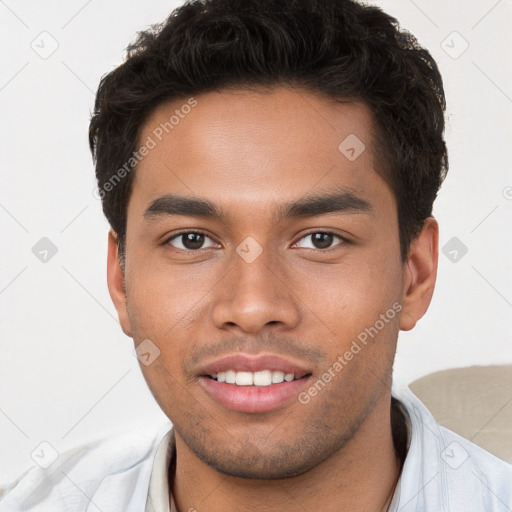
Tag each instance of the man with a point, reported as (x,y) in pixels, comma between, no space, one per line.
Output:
(268,169)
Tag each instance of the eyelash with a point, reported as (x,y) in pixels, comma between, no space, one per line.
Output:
(199,232)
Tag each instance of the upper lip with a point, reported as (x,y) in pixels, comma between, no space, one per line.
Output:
(252,363)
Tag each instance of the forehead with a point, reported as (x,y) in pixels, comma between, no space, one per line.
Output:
(246,146)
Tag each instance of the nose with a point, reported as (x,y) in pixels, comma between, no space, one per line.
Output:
(255,296)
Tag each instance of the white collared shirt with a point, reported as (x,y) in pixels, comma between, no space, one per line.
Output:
(442,473)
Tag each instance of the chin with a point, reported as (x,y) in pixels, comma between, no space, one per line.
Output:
(278,461)
(264,470)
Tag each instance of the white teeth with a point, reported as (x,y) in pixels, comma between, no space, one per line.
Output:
(261,378)
(277,377)
(244,379)
(230,377)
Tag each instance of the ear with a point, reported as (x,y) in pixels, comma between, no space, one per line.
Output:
(115,281)
(419,274)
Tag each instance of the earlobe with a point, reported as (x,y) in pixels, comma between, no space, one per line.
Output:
(420,271)
(115,281)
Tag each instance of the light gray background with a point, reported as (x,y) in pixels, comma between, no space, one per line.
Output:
(68,373)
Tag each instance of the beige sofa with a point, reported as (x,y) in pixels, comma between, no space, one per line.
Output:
(474,402)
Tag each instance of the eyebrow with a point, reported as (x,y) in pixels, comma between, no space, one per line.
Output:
(344,202)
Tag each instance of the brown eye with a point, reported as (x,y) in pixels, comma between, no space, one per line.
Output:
(190,241)
(320,240)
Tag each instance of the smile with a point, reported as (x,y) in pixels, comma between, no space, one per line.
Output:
(261,378)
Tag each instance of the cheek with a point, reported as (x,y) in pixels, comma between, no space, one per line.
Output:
(360,305)
(165,306)
(351,295)
(161,298)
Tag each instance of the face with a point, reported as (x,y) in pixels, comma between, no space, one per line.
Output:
(258,248)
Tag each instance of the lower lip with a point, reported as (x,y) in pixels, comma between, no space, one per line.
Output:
(253,398)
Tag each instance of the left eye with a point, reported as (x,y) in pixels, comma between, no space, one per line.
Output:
(190,241)
(320,240)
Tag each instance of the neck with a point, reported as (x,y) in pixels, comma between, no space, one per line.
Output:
(360,476)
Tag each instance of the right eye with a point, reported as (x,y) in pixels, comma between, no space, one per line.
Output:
(189,241)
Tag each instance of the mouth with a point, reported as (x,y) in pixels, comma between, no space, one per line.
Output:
(253,384)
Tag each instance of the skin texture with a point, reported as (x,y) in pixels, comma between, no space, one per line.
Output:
(249,152)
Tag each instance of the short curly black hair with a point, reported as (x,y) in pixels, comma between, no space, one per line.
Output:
(339,48)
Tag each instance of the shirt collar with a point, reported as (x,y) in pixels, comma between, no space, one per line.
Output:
(159,498)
